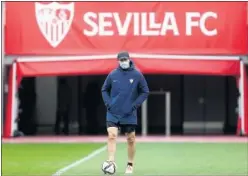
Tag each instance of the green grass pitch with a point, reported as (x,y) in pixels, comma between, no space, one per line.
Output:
(151,159)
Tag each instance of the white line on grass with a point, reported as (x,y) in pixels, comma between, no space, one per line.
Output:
(82,160)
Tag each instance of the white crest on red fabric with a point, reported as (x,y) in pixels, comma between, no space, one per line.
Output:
(54,20)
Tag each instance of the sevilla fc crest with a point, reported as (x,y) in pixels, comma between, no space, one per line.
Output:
(54,20)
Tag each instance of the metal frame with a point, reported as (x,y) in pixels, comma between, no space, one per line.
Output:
(3,70)
(242,104)
(144,113)
(14,104)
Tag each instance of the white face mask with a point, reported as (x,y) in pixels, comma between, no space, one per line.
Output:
(124,64)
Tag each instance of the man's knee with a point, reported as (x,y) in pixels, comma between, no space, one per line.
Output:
(112,133)
(131,137)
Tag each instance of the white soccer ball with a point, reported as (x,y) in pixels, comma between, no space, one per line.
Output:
(108,167)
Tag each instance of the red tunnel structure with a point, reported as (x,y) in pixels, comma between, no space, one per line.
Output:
(82,38)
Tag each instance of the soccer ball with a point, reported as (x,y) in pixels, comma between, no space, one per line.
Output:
(108,167)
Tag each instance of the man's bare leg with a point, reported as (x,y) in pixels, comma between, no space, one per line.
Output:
(131,151)
(112,136)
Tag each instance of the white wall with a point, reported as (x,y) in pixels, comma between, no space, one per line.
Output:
(46,91)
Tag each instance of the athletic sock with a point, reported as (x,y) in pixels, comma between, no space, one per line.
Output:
(111,161)
(130,164)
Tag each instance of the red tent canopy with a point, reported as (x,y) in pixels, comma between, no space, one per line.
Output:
(147,63)
(103,64)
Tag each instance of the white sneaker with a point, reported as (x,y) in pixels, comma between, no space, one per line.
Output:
(129,169)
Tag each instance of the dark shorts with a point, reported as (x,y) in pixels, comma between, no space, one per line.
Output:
(124,128)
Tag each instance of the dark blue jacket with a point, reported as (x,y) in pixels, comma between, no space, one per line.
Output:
(123,92)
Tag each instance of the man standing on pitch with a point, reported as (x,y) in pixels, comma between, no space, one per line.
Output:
(123,91)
